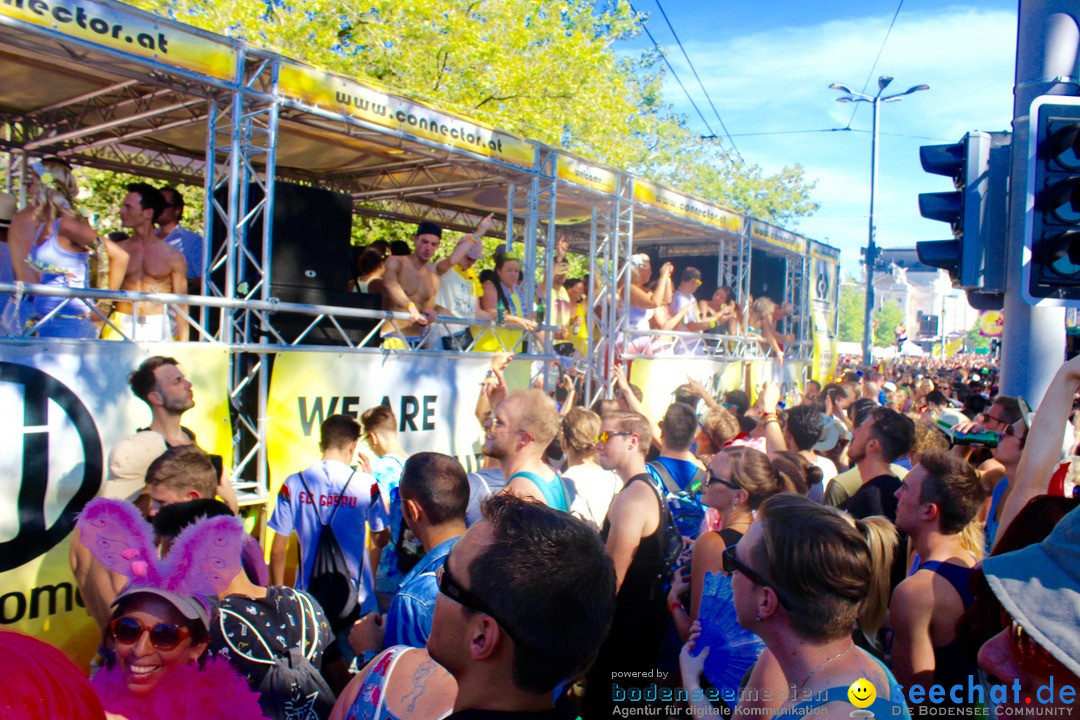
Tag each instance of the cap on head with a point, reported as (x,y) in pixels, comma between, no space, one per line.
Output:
(428,228)
(193,607)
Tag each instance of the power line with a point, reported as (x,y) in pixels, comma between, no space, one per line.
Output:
(675,75)
(698,78)
(874,66)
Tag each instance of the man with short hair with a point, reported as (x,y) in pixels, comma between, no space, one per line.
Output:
(805,424)
(634,533)
(153,267)
(936,501)
(517,434)
(180,474)
(676,468)
(880,439)
(459,290)
(526,597)
(689,282)
(434,494)
(330,491)
(409,286)
(188,242)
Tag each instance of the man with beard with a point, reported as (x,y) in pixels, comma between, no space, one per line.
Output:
(409,286)
(518,433)
(880,439)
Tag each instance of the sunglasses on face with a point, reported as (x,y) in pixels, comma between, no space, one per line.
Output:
(452,589)
(1011,431)
(733,564)
(714,478)
(605,437)
(163,636)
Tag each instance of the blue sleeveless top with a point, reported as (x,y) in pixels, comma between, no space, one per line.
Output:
(553,490)
(893,709)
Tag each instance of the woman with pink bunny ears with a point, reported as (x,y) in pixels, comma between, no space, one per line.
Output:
(156,641)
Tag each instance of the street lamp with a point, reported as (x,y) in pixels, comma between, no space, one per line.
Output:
(871,249)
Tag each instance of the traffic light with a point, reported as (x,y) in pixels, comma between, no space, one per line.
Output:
(1051,269)
(976,211)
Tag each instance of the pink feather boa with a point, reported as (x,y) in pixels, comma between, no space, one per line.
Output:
(217,692)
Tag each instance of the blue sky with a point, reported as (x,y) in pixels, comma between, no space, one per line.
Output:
(768,64)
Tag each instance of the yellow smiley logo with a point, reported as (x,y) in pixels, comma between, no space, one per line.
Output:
(862,693)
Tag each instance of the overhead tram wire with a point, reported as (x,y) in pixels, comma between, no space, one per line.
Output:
(876,59)
(700,84)
(679,81)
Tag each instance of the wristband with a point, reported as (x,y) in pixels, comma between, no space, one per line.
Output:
(675,607)
(713,324)
(411,306)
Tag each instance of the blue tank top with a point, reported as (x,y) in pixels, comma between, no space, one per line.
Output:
(553,490)
(894,708)
(59,268)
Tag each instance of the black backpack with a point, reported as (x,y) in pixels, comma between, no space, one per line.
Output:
(292,686)
(332,583)
(671,543)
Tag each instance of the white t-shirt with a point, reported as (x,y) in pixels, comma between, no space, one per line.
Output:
(595,489)
(303,513)
(455,295)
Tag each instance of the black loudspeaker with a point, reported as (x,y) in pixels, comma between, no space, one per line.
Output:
(767,275)
(310,244)
(311,258)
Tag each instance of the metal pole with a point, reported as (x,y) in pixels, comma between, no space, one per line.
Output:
(1033,338)
(871,249)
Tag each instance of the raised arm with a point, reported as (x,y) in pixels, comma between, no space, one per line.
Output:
(1042,449)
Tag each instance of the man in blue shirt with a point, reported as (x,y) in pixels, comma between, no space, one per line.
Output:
(434,495)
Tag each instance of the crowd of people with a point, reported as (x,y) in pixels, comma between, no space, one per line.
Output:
(735,556)
(50,242)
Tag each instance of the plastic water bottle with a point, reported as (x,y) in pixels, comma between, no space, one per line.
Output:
(500,313)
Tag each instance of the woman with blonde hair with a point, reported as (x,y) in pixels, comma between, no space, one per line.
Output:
(52,244)
(596,487)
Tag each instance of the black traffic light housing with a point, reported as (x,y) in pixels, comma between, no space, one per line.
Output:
(976,212)
(1051,269)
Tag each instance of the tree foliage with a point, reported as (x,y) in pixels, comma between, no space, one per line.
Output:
(852,304)
(885,318)
(544,69)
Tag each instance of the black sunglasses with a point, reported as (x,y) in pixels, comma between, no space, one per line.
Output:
(714,478)
(128,630)
(452,589)
(732,563)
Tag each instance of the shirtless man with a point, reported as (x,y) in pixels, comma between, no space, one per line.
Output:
(154,266)
(409,285)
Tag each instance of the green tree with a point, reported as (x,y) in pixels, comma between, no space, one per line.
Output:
(974,340)
(885,318)
(852,304)
(545,69)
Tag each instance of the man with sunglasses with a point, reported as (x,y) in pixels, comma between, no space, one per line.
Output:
(188,242)
(937,500)
(634,533)
(525,599)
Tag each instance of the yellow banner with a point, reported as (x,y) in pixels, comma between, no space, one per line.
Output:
(350,97)
(791,377)
(661,198)
(116,27)
(582,173)
(954,346)
(433,398)
(658,378)
(66,404)
(777,237)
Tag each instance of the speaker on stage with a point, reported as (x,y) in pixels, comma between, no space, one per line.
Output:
(310,243)
(310,253)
